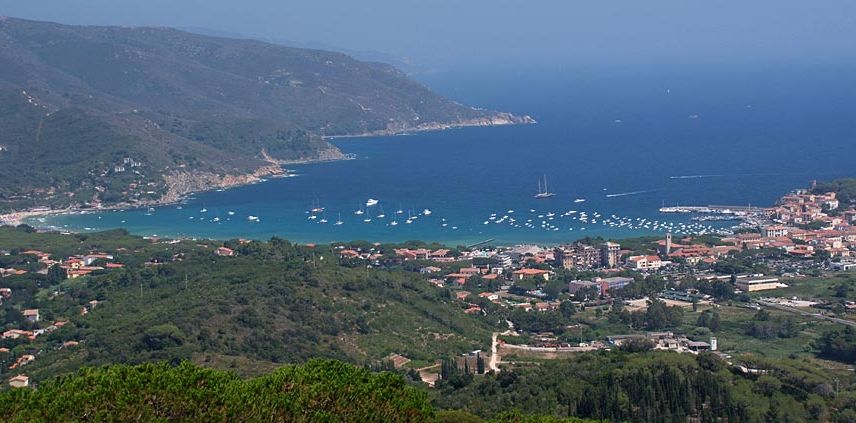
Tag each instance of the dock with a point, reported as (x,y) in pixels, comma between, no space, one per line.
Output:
(713,209)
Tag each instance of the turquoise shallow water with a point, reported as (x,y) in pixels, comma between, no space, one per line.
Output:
(626,142)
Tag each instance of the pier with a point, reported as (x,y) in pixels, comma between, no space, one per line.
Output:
(714,209)
(481,243)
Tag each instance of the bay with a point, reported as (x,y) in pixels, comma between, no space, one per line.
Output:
(627,141)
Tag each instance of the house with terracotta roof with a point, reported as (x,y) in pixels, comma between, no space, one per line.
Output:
(644,262)
(801,250)
(531,273)
(18,333)
(349,254)
(32,315)
(224,252)
(471,271)
(441,255)
(473,310)
(11,272)
(19,381)
(23,360)
(458,278)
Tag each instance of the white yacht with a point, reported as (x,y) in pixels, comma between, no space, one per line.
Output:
(544,193)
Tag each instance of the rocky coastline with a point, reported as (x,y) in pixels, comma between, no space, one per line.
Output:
(181,184)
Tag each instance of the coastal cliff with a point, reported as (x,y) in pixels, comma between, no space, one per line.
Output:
(179,184)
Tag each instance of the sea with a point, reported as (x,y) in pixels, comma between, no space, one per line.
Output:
(614,144)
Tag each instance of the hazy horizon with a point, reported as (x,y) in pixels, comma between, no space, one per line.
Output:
(443,34)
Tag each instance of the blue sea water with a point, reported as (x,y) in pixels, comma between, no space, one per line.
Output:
(625,140)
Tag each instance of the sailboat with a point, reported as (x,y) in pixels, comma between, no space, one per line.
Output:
(339,221)
(360,211)
(399,211)
(316,207)
(381,215)
(545,193)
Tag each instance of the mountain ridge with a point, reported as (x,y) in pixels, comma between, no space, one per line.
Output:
(81,102)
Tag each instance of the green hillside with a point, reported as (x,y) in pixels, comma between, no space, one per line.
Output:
(273,303)
(319,391)
(176,102)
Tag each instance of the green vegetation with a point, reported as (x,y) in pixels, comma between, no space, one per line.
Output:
(317,391)
(839,345)
(77,101)
(328,391)
(845,189)
(660,387)
(274,303)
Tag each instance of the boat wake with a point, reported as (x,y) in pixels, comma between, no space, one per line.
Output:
(695,176)
(622,194)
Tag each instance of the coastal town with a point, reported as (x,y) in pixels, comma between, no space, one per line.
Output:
(419,212)
(581,296)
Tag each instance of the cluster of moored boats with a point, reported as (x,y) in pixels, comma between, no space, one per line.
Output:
(581,220)
(372,211)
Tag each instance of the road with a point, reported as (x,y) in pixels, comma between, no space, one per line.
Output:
(492,364)
(494,357)
(808,313)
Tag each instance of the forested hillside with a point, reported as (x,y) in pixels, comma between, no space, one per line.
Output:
(660,387)
(327,391)
(274,302)
(127,105)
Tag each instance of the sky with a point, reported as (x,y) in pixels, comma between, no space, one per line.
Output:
(480,33)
